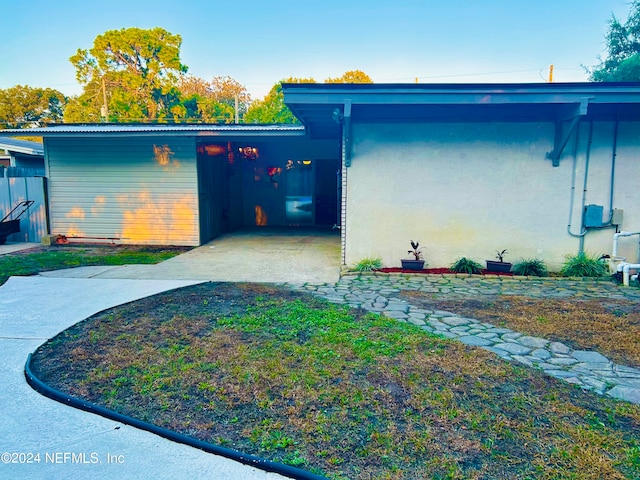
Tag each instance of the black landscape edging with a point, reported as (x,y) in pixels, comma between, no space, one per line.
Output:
(257,462)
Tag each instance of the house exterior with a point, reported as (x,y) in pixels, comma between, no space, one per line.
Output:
(542,170)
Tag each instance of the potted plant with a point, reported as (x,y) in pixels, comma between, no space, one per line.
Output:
(415,263)
(500,265)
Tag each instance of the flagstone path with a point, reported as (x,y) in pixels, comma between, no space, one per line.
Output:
(589,370)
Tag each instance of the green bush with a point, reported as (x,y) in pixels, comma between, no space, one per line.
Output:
(465,265)
(584,265)
(368,265)
(532,267)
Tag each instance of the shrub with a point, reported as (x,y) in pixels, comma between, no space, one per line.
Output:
(368,264)
(465,265)
(583,265)
(533,267)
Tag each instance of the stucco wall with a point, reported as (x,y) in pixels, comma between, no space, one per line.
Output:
(471,189)
(136,190)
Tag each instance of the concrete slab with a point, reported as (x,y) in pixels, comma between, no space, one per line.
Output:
(17,247)
(267,255)
(33,309)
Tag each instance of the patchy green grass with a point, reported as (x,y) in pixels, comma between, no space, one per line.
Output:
(42,259)
(335,391)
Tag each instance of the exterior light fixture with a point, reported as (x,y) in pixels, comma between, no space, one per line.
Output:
(306,162)
(250,153)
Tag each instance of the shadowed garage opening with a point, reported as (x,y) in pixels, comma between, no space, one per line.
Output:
(267,182)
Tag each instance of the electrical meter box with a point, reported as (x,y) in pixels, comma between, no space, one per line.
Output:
(616,216)
(593,216)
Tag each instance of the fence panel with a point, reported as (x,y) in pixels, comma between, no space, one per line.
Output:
(34,222)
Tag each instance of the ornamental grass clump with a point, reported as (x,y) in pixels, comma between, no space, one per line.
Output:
(583,265)
(533,267)
(466,265)
(368,264)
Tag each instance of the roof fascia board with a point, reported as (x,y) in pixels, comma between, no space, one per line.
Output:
(473,95)
(23,150)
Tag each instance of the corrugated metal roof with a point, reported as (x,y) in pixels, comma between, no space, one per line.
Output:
(21,146)
(152,129)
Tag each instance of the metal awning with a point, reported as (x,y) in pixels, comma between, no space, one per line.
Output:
(137,130)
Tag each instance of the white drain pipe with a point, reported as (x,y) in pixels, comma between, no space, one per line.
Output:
(623,266)
(625,272)
(616,236)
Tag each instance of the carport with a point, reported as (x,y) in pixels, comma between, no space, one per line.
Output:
(186,184)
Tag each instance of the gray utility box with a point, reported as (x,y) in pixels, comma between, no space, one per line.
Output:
(593,216)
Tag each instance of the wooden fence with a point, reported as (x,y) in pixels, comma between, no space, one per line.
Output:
(34,222)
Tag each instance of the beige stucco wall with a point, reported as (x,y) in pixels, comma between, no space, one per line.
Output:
(471,189)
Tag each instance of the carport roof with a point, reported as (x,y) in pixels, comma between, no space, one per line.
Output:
(147,129)
(323,107)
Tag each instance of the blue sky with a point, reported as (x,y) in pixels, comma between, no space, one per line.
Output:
(259,42)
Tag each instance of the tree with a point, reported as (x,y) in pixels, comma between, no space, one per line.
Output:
(352,76)
(214,101)
(133,71)
(622,63)
(24,107)
(272,108)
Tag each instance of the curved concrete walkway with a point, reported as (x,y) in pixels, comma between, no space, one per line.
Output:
(33,309)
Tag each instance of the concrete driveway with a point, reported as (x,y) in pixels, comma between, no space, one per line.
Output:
(250,255)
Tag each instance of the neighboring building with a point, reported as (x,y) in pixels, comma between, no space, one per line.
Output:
(538,169)
(24,155)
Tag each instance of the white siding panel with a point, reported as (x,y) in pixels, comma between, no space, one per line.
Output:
(138,190)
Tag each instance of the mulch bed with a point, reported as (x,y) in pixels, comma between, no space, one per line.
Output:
(437,271)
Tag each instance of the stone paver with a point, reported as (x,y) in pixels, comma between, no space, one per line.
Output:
(588,369)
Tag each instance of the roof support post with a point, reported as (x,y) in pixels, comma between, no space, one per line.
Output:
(562,138)
(346,133)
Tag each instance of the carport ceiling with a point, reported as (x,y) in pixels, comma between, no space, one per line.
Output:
(320,107)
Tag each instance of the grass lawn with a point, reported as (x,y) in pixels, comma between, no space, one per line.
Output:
(343,393)
(42,259)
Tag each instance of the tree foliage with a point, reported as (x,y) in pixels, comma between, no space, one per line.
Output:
(622,63)
(272,108)
(22,106)
(215,101)
(352,76)
(136,69)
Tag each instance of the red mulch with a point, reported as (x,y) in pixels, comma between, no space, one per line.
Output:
(436,271)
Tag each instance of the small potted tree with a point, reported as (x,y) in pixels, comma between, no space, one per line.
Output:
(500,266)
(415,263)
